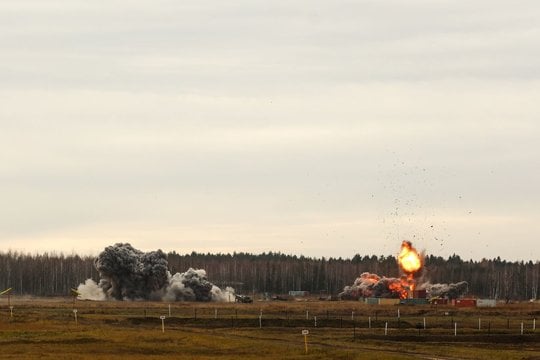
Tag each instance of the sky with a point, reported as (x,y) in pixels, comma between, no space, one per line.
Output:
(316,128)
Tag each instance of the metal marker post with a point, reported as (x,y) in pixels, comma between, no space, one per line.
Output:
(169,310)
(307,315)
(260,321)
(398,314)
(315,318)
(352,316)
(386,328)
(162,323)
(479,324)
(424,323)
(369,322)
(11,311)
(522,328)
(534,324)
(75,314)
(455,329)
(305,333)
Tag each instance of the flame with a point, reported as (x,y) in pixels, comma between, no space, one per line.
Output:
(408,258)
(410,262)
(399,287)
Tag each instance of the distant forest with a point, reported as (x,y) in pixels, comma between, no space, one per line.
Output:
(275,273)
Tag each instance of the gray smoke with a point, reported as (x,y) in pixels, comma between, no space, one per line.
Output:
(130,274)
(450,291)
(372,285)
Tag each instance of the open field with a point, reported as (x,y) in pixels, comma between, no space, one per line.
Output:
(46,328)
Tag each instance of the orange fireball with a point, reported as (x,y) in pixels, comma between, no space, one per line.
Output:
(408,258)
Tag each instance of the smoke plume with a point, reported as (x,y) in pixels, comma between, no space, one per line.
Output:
(372,285)
(130,274)
(450,291)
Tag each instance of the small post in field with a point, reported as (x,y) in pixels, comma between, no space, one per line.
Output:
(75,315)
(386,328)
(455,329)
(305,333)
(162,323)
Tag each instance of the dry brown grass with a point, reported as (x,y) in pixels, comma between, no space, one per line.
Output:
(45,328)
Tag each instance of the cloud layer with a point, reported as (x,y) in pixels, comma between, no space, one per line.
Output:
(310,127)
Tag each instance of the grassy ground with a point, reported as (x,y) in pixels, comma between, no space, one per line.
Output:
(47,329)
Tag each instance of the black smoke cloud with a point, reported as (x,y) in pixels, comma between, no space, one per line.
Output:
(130,274)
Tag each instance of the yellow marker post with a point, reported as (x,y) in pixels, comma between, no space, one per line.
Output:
(305,333)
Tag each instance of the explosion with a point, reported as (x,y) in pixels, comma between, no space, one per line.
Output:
(372,285)
(130,274)
(410,262)
(408,259)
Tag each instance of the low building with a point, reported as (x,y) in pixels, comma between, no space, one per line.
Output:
(414,301)
(386,301)
(438,301)
(464,302)
(381,301)
(486,302)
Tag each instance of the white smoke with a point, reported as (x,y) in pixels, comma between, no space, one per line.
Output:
(90,290)
(193,285)
(450,291)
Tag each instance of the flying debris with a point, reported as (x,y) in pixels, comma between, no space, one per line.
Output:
(74,292)
(130,274)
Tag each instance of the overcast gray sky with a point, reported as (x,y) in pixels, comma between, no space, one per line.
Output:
(322,128)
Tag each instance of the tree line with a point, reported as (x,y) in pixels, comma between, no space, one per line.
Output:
(52,274)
